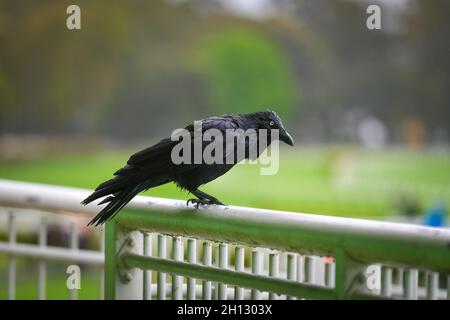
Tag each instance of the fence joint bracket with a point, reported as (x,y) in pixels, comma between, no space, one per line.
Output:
(128,246)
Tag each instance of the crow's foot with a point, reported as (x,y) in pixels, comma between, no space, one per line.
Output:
(203,202)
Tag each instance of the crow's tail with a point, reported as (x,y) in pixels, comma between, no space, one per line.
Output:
(145,169)
(120,192)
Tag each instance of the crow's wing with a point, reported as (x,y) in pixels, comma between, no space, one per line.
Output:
(157,158)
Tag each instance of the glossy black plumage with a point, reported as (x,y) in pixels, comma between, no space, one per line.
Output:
(153,166)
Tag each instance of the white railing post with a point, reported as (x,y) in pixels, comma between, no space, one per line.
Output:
(291,270)
(432,285)
(42,266)
(128,281)
(223,264)
(256,269)
(73,246)
(386,281)
(12,235)
(192,258)
(239,266)
(177,281)
(207,261)
(410,284)
(161,276)
(101,268)
(147,277)
(274,270)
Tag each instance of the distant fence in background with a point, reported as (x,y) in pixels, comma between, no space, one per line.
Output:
(161,249)
(23,207)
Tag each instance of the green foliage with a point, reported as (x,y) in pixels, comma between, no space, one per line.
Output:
(249,72)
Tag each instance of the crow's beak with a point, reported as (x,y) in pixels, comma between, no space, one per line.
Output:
(286,137)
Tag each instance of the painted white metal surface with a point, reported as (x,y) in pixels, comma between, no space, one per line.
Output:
(294,267)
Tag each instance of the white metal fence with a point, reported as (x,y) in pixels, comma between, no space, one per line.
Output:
(159,249)
(23,212)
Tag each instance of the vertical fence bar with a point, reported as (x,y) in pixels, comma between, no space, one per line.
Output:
(239,266)
(311,270)
(410,284)
(291,270)
(147,273)
(162,253)
(12,238)
(332,274)
(223,264)
(129,281)
(207,261)
(111,274)
(274,271)
(386,281)
(448,287)
(348,275)
(74,246)
(102,268)
(177,281)
(42,266)
(328,274)
(320,271)
(256,269)
(432,285)
(301,277)
(192,258)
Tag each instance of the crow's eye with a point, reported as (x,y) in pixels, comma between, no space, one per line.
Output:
(271,123)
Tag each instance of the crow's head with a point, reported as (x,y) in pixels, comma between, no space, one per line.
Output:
(270,120)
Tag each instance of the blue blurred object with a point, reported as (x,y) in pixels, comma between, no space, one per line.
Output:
(435,215)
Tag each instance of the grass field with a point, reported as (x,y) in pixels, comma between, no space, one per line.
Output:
(333,181)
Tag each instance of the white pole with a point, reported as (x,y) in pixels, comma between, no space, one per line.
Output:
(274,266)
(256,269)
(177,281)
(192,258)
(12,237)
(239,266)
(207,261)
(223,264)
(162,253)
(42,267)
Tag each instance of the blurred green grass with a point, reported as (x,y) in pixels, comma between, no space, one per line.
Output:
(339,181)
(27,280)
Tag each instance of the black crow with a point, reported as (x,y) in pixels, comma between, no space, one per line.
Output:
(155,165)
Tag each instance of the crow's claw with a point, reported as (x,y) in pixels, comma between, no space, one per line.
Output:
(203,202)
(197,202)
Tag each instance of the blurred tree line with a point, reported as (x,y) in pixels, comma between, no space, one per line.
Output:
(138,69)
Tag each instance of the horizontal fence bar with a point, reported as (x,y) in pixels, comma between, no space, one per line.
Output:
(52,253)
(243,279)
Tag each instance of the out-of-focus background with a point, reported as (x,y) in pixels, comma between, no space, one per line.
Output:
(368,109)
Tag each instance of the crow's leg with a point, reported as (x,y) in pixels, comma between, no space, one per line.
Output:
(203,198)
(204,195)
